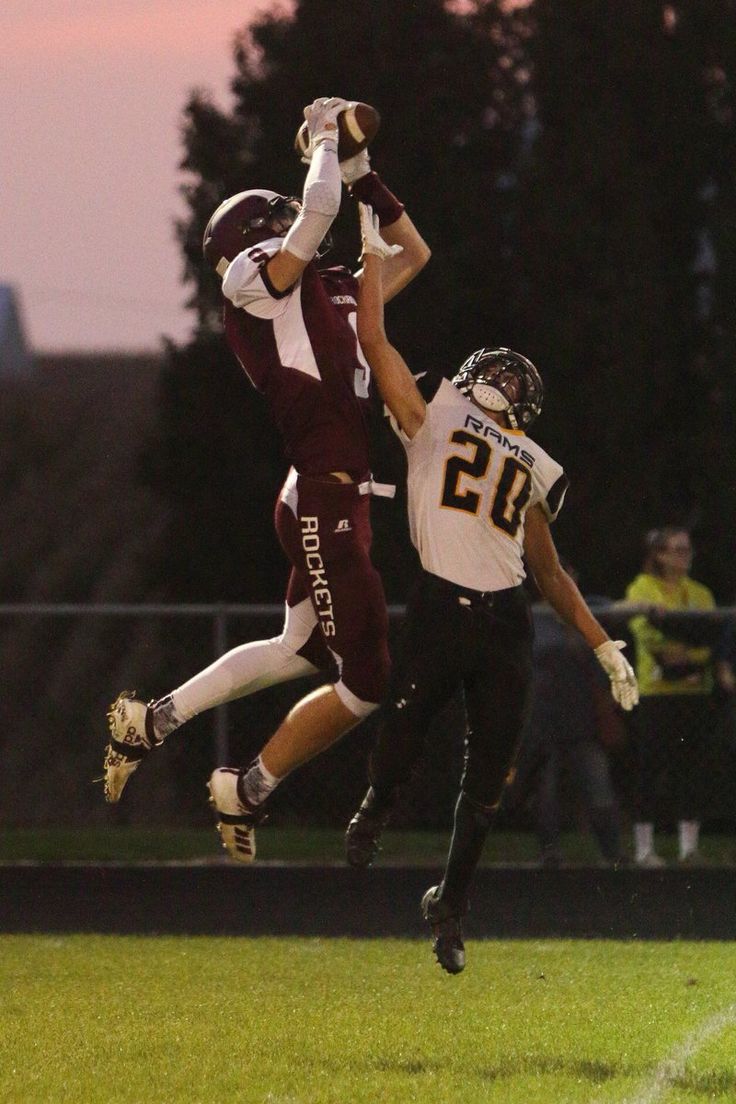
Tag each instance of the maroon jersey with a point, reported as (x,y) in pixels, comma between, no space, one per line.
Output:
(299,348)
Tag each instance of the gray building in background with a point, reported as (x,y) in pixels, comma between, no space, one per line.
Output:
(16,360)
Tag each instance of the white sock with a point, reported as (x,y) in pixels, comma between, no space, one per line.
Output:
(240,672)
(165,717)
(258,782)
(688,832)
(643,840)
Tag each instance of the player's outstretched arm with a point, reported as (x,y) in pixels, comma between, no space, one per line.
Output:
(400,270)
(561,591)
(556,585)
(395,382)
(320,200)
(396,227)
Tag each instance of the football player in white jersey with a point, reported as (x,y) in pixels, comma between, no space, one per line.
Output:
(481,496)
(291,324)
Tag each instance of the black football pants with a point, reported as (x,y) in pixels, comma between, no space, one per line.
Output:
(453,639)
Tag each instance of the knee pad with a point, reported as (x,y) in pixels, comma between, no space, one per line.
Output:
(299,623)
(283,646)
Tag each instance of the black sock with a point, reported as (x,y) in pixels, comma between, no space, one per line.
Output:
(606,830)
(378,803)
(472,822)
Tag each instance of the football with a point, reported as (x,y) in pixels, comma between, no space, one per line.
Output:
(356,127)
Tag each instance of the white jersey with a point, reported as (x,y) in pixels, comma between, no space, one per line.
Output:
(470,483)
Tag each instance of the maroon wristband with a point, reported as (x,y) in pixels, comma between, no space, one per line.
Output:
(371,189)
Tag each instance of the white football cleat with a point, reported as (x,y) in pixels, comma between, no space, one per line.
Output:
(235,821)
(131,738)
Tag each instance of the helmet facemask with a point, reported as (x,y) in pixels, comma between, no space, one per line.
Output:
(283,212)
(502,381)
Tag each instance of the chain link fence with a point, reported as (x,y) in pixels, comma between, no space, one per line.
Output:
(64,664)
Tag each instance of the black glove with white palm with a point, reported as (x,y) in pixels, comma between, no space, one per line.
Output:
(624,687)
(370,234)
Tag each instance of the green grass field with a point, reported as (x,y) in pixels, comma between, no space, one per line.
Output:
(101,1020)
(116,843)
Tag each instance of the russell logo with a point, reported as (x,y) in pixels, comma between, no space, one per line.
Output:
(343,526)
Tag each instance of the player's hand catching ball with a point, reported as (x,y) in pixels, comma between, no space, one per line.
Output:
(357,126)
(373,243)
(321,117)
(624,687)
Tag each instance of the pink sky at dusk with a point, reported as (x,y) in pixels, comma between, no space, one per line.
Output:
(91,96)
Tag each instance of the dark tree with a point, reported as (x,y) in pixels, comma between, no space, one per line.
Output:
(572,169)
(450,90)
(626,252)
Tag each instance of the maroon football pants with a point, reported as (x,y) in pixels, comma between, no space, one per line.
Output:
(325,530)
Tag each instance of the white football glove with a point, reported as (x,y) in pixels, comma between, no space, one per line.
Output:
(624,687)
(355,167)
(321,119)
(373,243)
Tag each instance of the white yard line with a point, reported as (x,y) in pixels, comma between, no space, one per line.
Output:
(673,1066)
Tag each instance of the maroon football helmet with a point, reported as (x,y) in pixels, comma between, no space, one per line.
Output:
(245,219)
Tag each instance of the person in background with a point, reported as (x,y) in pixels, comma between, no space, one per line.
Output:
(481,497)
(724,666)
(564,739)
(291,324)
(725,659)
(674,719)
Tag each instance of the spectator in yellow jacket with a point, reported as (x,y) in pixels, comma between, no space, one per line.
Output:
(675,680)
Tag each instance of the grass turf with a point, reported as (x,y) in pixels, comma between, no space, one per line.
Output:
(300,844)
(109,1020)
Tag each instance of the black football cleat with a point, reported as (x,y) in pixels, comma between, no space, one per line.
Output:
(363,835)
(447,932)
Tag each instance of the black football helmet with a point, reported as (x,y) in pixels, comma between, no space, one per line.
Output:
(246,219)
(504,381)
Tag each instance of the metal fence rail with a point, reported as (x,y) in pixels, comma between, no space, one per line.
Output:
(219,623)
(611,613)
(218,613)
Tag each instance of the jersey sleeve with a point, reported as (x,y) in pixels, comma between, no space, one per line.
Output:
(246,283)
(549,486)
(704,598)
(428,384)
(555,497)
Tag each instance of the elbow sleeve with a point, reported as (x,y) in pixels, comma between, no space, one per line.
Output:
(320,203)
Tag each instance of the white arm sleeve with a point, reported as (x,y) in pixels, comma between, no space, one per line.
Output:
(320,203)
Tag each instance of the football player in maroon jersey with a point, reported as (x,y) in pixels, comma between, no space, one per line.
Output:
(292,326)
